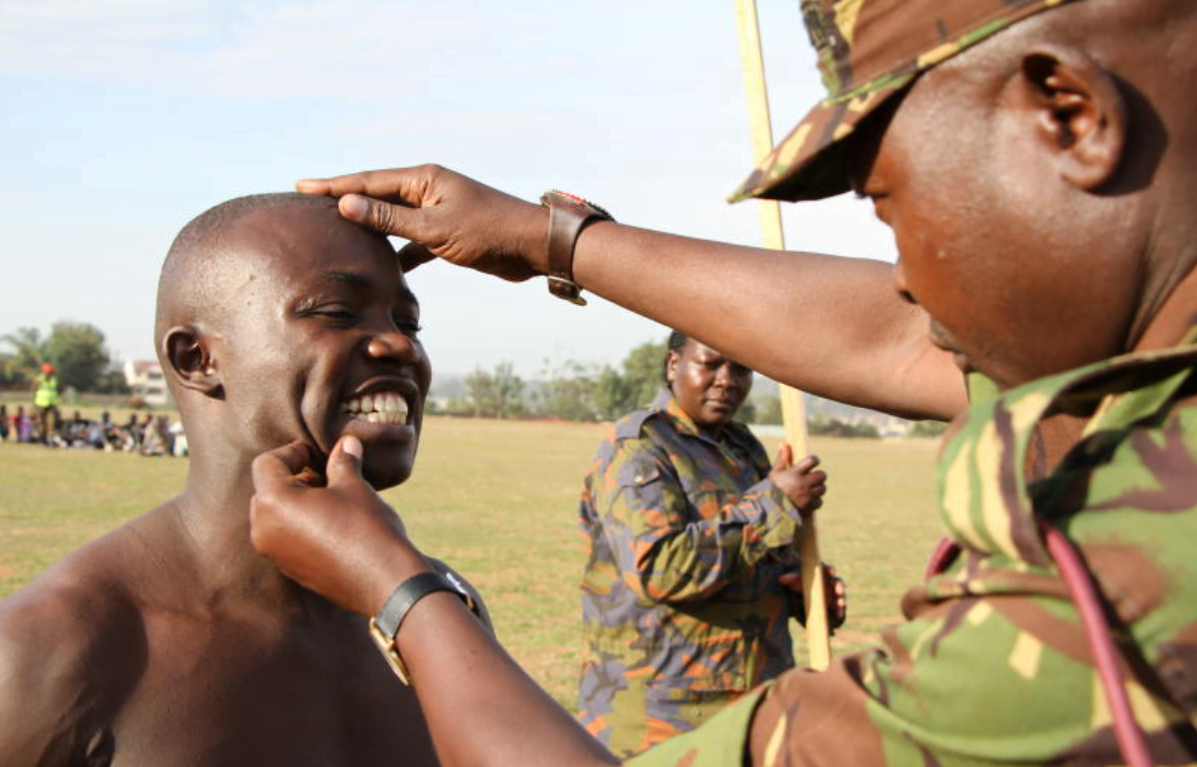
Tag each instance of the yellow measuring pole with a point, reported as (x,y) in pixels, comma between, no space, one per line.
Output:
(793,410)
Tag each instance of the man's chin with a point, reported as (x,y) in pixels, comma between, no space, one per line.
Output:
(383,475)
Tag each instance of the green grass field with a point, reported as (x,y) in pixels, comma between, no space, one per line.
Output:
(497,500)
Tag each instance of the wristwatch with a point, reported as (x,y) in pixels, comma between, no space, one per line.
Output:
(568,216)
(385,626)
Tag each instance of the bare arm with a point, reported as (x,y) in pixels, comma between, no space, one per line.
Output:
(67,656)
(828,325)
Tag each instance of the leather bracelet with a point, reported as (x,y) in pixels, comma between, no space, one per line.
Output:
(568,216)
(385,626)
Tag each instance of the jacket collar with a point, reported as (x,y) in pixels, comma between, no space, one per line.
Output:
(985,498)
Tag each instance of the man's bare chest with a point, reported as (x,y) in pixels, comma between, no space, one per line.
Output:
(229,694)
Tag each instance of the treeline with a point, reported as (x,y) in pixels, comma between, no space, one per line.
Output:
(76,350)
(572,391)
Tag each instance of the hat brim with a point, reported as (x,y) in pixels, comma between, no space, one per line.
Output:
(810,163)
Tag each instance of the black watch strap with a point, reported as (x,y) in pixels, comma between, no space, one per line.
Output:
(412,590)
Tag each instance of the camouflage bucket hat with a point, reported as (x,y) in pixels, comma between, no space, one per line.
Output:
(868,50)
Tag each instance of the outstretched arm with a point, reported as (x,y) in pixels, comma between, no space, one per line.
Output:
(828,325)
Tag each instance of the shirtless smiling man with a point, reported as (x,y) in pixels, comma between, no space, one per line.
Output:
(170,641)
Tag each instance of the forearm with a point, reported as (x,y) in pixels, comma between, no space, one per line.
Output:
(828,325)
(696,559)
(481,708)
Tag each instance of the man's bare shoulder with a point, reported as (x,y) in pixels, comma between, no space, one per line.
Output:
(72,646)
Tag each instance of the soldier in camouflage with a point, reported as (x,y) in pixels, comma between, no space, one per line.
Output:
(692,557)
(1037,161)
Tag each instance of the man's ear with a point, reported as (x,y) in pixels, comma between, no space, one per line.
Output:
(1080,114)
(191,363)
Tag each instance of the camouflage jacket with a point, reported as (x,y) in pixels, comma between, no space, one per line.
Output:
(992,666)
(681,608)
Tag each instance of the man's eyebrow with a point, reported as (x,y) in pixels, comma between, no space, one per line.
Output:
(353,279)
(364,282)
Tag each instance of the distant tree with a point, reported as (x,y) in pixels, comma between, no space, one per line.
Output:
(112,381)
(498,394)
(769,411)
(77,350)
(613,395)
(508,391)
(11,375)
(568,393)
(928,428)
(479,387)
(29,352)
(459,406)
(747,412)
(642,374)
(834,427)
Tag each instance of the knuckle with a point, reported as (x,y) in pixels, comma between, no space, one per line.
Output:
(432,170)
(381,216)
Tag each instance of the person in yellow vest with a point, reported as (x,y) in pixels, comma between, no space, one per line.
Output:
(45,400)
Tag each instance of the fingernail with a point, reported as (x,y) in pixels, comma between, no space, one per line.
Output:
(354,206)
(353,446)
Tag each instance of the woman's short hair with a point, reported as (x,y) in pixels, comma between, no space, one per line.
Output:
(677,339)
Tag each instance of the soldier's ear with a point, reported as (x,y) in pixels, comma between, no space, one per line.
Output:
(671,366)
(1077,113)
(190,361)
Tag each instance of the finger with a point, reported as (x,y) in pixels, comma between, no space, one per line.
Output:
(336,186)
(310,477)
(412,255)
(394,184)
(345,462)
(785,456)
(318,186)
(378,215)
(280,465)
(807,463)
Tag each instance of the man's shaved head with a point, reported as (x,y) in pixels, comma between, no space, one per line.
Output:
(196,273)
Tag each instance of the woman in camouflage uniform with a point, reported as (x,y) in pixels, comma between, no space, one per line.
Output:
(693,554)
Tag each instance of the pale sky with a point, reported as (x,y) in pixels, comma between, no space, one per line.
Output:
(123,119)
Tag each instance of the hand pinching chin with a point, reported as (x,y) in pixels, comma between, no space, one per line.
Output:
(337,537)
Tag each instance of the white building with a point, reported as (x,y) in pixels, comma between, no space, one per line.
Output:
(146,380)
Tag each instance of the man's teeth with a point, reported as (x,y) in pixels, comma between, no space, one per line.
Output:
(379,407)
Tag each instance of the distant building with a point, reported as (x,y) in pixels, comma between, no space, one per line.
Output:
(145,379)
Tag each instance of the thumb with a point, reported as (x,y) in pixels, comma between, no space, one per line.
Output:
(785,457)
(345,463)
(807,464)
(412,255)
(376,214)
